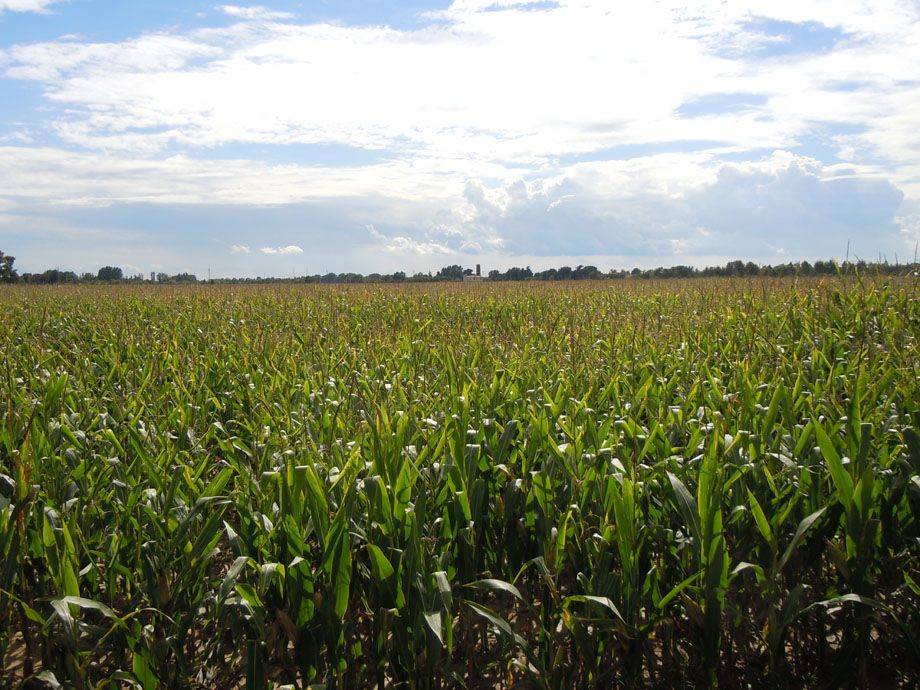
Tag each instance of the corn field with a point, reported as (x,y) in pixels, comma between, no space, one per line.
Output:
(640,484)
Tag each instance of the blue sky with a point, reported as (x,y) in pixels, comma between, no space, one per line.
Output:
(364,135)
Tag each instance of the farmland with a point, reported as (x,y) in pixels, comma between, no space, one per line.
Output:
(652,484)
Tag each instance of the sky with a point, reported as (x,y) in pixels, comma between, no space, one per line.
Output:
(373,136)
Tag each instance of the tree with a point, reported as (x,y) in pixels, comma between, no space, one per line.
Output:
(453,272)
(735,268)
(7,272)
(52,277)
(589,271)
(109,273)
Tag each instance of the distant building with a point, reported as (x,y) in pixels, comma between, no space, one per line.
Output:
(475,277)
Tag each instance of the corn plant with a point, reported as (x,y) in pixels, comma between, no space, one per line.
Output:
(632,484)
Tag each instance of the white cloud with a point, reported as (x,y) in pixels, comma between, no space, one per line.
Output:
(596,76)
(407,245)
(26,5)
(92,178)
(239,249)
(449,231)
(400,244)
(695,206)
(505,126)
(555,203)
(637,207)
(290,249)
(909,223)
(254,12)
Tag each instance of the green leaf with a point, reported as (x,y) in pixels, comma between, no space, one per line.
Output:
(337,561)
(250,596)
(380,565)
(498,622)
(433,620)
(443,585)
(677,589)
(140,667)
(842,479)
(218,484)
(496,585)
(762,524)
(743,565)
(803,527)
(686,504)
(600,601)
(786,615)
(82,603)
(62,611)
(229,581)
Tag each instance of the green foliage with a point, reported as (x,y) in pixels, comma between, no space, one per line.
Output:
(627,484)
(109,273)
(7,272)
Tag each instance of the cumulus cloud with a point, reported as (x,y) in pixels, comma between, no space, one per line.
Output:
(216,86)
(574,127)
(288,250)
(26,5)
(783,204)
(400,244)
(254,12)
(239,249)
(686,204)
(909,223)
(407,245)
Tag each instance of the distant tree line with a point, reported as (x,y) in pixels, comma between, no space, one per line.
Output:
(732,268)
(455,272)
(106,274)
